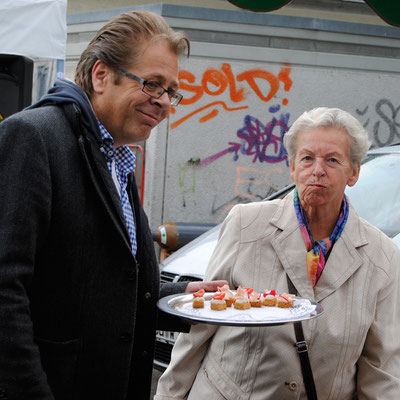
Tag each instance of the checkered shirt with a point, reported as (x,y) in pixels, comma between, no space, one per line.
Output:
(125,163)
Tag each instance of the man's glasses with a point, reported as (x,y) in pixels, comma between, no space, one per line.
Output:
(154,89)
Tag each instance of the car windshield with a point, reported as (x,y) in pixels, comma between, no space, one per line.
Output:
(376,195)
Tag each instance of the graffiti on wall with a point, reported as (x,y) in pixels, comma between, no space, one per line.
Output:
(385,126)
(219,91)
(216,82)
(248,183)
(262,142)
(251,184)
(258,141)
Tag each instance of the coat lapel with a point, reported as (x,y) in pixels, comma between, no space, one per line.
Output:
(343,261)
(290,248)
(104,184)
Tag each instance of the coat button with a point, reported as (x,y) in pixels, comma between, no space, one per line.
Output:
(147,296)
(293,385)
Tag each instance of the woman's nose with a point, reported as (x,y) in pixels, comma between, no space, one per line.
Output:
(319,169)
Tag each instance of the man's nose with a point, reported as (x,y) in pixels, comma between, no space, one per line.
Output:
(163,101)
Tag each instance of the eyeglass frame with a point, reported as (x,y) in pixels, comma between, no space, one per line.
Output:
(174,97)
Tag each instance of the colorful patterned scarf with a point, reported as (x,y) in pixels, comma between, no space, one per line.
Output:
(317,252)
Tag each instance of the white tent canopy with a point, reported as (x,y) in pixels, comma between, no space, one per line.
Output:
(33,28)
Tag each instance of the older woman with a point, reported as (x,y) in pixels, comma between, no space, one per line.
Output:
(332,256)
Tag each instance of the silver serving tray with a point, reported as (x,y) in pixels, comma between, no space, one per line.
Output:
(180,305)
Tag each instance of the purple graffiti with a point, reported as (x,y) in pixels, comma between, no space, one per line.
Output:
(234,148)
(256,139)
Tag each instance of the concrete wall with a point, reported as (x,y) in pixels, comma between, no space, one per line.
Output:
(248,78)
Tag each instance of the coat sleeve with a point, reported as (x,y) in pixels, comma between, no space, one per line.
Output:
(191,348)
(168,322)
(379,364)
(25,202)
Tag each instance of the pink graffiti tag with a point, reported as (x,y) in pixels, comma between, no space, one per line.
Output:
(257,140)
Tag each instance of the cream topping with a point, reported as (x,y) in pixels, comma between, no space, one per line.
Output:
(217,301)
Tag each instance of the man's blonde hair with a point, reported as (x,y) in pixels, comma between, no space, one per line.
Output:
(121,42)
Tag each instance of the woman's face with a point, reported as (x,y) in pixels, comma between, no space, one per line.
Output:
(322,168)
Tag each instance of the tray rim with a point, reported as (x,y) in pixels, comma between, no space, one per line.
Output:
(164,304)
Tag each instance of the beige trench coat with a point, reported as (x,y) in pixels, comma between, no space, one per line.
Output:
(360,330)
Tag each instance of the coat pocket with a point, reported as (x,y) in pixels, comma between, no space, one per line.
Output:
(204,387)
(60,362)
(213,384)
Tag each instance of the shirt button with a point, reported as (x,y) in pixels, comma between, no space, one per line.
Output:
(110,153)
(293,386)
(147,296)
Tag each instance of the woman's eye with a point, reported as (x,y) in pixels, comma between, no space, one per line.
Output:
(333,160)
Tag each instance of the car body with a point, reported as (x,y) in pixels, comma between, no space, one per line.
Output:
(376,197)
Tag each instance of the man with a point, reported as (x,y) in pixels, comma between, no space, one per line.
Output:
(79,280)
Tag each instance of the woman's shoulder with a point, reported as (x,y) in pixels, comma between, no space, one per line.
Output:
(381,250)
(257,208)
(255,216)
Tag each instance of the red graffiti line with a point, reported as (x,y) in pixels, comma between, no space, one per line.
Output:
(222,103)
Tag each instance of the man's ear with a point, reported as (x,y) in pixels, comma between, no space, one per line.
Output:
(101,74)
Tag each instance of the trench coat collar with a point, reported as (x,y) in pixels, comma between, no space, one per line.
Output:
(342,263)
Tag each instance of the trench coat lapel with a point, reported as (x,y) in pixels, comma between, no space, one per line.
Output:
(290,248)
(343,261)
(291,251)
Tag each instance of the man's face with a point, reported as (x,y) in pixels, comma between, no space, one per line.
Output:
(126,112)
(322,167)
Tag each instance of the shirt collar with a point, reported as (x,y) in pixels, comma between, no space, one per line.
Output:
(122,155)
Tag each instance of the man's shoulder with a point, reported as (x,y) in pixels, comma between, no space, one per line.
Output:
(43,117)
(47,125)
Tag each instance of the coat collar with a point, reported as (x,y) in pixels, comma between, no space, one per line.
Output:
(343,261)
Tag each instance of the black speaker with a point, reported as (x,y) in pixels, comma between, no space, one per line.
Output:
(16,75)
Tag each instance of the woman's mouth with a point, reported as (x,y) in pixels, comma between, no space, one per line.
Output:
(316,186)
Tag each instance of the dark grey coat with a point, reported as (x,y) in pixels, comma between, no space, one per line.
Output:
(77,310)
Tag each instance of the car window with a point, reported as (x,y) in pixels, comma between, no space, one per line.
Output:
(376,195)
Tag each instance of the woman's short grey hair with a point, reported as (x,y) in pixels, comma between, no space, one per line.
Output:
(330,117)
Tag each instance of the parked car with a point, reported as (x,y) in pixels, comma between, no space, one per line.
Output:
(376,197)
